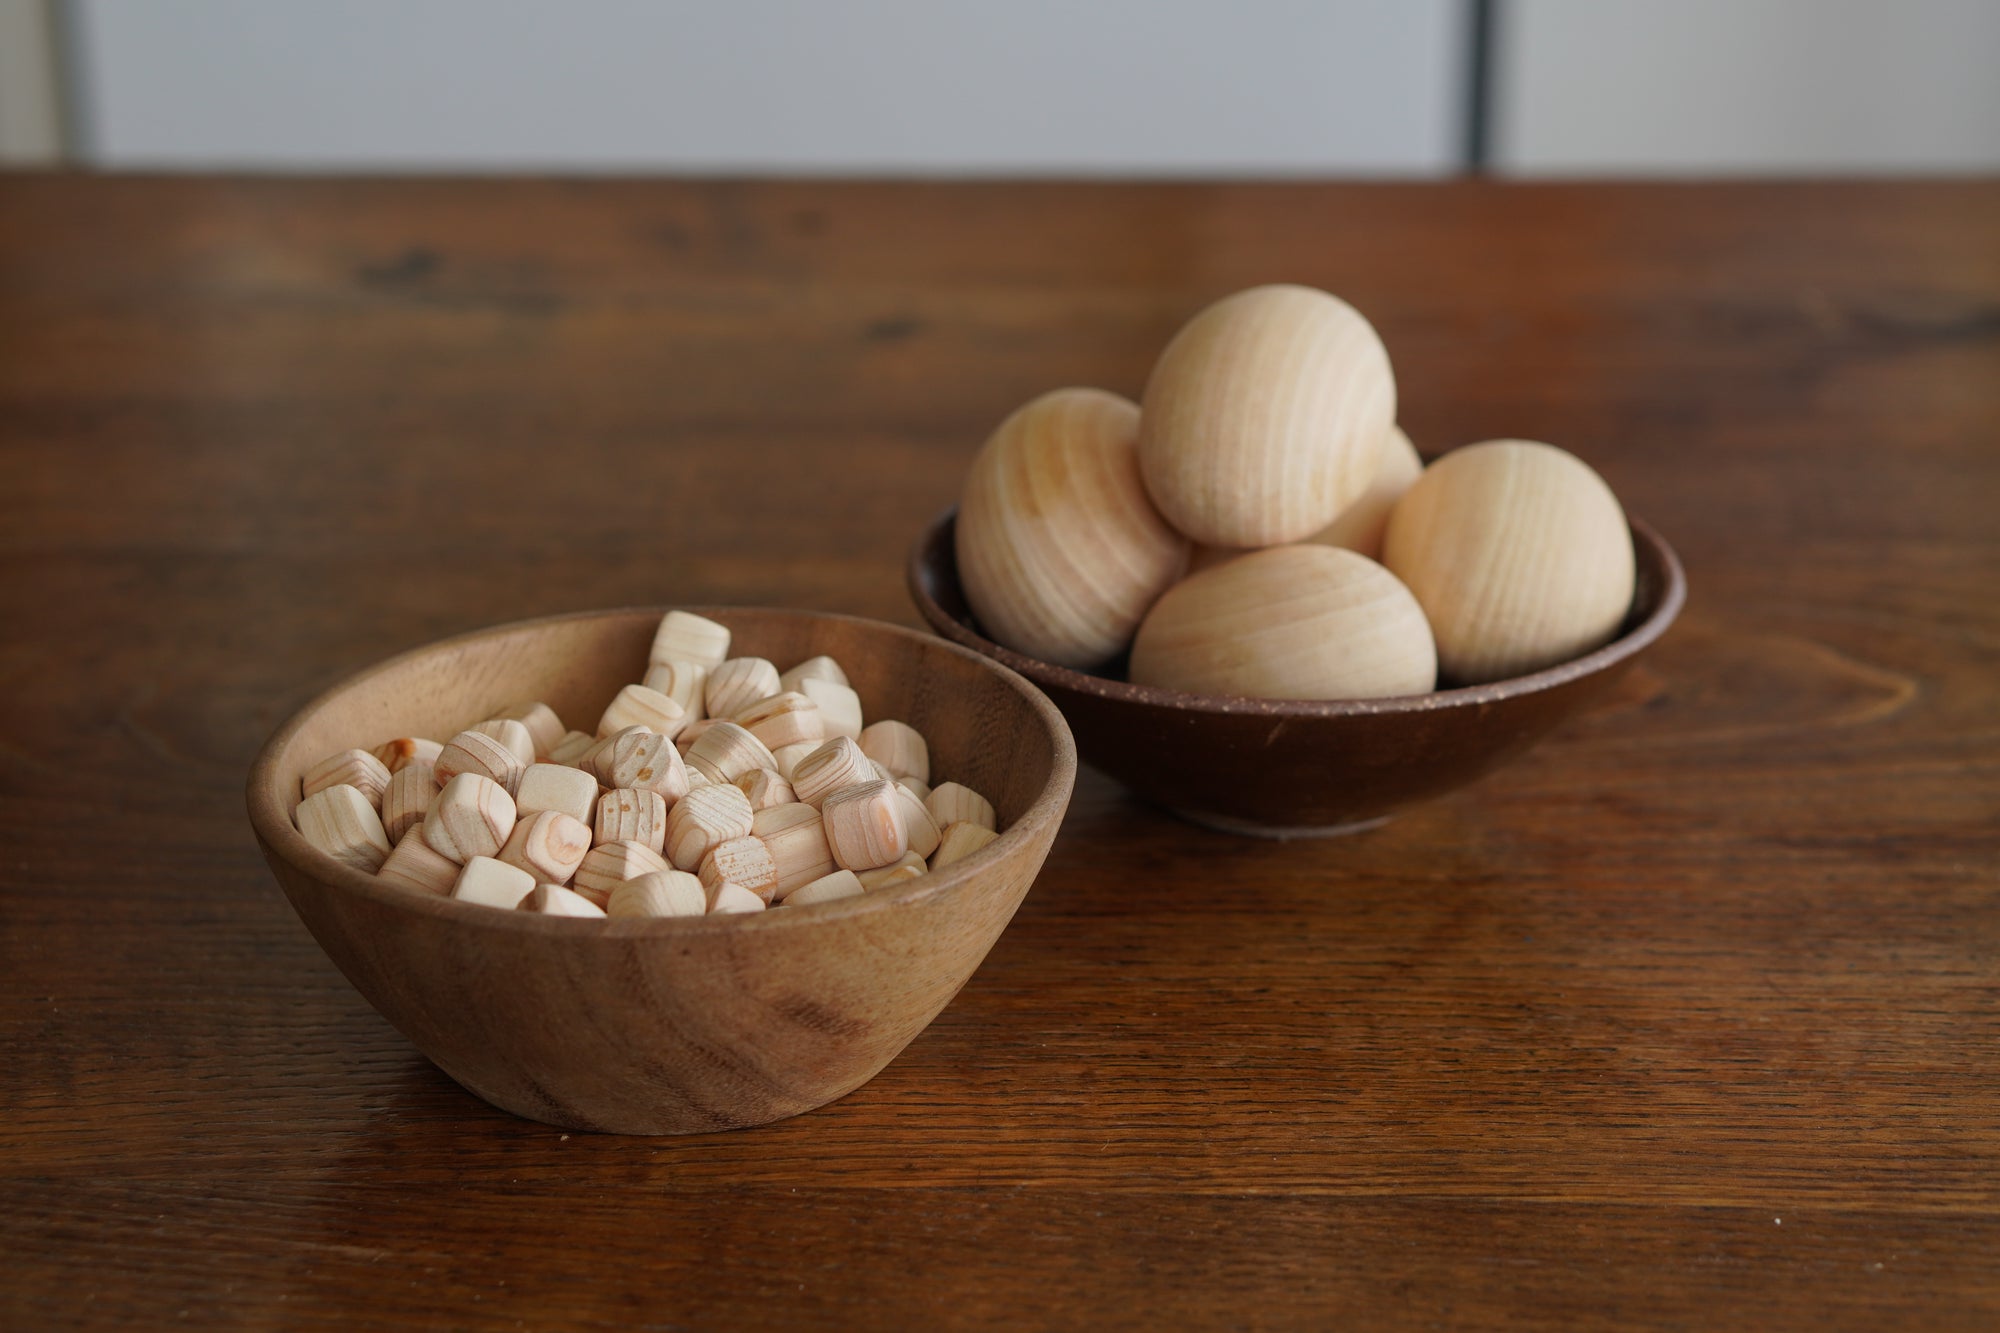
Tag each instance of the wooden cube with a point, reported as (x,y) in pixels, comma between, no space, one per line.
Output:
(899,747)
(685,738)
(645,761)
(350,768)
(836,764)
(828,888)
(637,706)
(864,824)
(477,752)
(738,683)
(628,814)
(784,719)
(686,683)
(472,816)
(796,838)
(415,866)
(813,668)
(788,757)
(765,789)
(395,754)
(917,787)
(549,845)
(959,841)
(952,803)
(540,720)
(725,752)
(839,706)
(905,867)
(341,821)
(408,798)
(572,747)
(728,898)
(690,638)
(492,883)
(610,865)
(659,893)
(510,733)
(556,787)
(923,830)
(704,817)
(746,861)
(555,900)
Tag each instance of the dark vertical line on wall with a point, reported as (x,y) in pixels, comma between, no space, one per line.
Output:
(79,127)
(1481,22)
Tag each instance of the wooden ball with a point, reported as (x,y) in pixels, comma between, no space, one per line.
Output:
(1362,525)
(1264,417)
(1519,554)
(1290,622)
(1059,550)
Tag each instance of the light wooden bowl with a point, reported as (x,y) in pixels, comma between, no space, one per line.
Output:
(671,1026)
(1283,768)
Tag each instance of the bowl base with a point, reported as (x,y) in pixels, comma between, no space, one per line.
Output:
(1278,833)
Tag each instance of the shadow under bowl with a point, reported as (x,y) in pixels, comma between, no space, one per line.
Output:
(1284,768)
(678,1025)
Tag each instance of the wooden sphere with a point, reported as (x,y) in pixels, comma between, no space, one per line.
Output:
(1264,417)
(1290,622)
(1059,550)
(1362,525)
(1519,554)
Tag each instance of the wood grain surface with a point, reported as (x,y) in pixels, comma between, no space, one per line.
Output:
(1691,1019)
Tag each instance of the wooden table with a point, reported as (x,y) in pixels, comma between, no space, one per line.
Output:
(1688,1020)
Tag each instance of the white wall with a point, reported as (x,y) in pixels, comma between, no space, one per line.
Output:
(1097,86)
(1728,86)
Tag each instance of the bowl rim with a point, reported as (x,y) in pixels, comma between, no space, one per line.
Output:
(1672,596)
(272,820)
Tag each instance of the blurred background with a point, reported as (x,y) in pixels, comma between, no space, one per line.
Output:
(1405,88)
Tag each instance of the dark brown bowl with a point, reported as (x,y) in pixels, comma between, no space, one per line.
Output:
(1284,768)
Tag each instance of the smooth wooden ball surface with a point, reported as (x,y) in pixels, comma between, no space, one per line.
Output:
(1362,525)
(1289,622)
(678,1025)
(1061,550)
(1263,417)
(1519,554)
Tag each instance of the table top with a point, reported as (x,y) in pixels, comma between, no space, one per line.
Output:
(1691,1017)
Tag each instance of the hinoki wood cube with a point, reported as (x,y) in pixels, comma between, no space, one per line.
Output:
(960,841)
(905,867)
(813,668)
(572,747)
(728,898)
(659,893)
(796,838)
(703,818)
(686,683)
(351,768)
(784,719)
(899,747)
(408,798)
(923,830)
(765,789)
(556,787)
(690,638)
(952,803)
(415,866)
(828,888)
(610,865)
(864,825)
(839,706)
(836,764)
(643,760)
(472,816)
(685,738)
(788,758)
(548,845)
(395,754)
(555,900)
(738,683)
(510,733)
(627,814)
(492,883)
(540,720)
(637,706)
(746,861)
(725,752)
(341,821)
(476,752)
(917,787)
